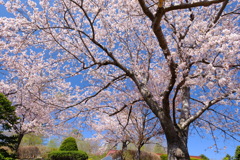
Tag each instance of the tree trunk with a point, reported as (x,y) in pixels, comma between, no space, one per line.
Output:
(177,148)
(19,139)
(124,146)
(138,153)
(124,149)
(177,138)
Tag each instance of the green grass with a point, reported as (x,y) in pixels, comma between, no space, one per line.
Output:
(96,157)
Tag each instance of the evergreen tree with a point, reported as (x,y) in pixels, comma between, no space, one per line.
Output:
(227,157)
(8,119)
(237,153)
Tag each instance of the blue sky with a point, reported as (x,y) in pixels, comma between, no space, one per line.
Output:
(196,144)
(199,146)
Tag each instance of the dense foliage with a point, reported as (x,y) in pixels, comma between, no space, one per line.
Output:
(164,157)
(68,155)
(8,119)
(69,144)
(31,140)
(227,157)
(5,158)
(237,153)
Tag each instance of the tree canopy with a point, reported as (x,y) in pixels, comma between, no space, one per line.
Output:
(179,58)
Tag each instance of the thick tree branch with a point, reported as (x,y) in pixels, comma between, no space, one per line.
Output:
(191,5)
(203,109)
(221,11)
(218,15)
(145,9)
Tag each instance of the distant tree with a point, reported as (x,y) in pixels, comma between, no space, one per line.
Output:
(31,139)
(204,157)
(34,93)
(148,147)
(8,118)
(75,133)
(227,157)
(52,143)
(237,153)
(84,145)
(159,148)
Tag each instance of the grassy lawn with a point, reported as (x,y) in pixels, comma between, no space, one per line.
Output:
(96,157)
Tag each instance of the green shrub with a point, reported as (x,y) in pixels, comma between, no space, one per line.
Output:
(68,155)
(69,144)
(131,154)
(164,157)
(1,157)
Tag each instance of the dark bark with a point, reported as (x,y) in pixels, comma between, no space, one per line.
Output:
(124,149)
(177,146)
(19,140)
(176,140)
(124,146)
(138,154)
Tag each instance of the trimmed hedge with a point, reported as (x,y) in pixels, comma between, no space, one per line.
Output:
(69,144)
(68,155)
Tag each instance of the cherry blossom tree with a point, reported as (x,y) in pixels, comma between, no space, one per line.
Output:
(180,57)
(136,125)
(144,128)
(34,91)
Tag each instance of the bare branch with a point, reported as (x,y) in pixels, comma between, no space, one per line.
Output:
(219,128)
(99,91)
(125,106)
